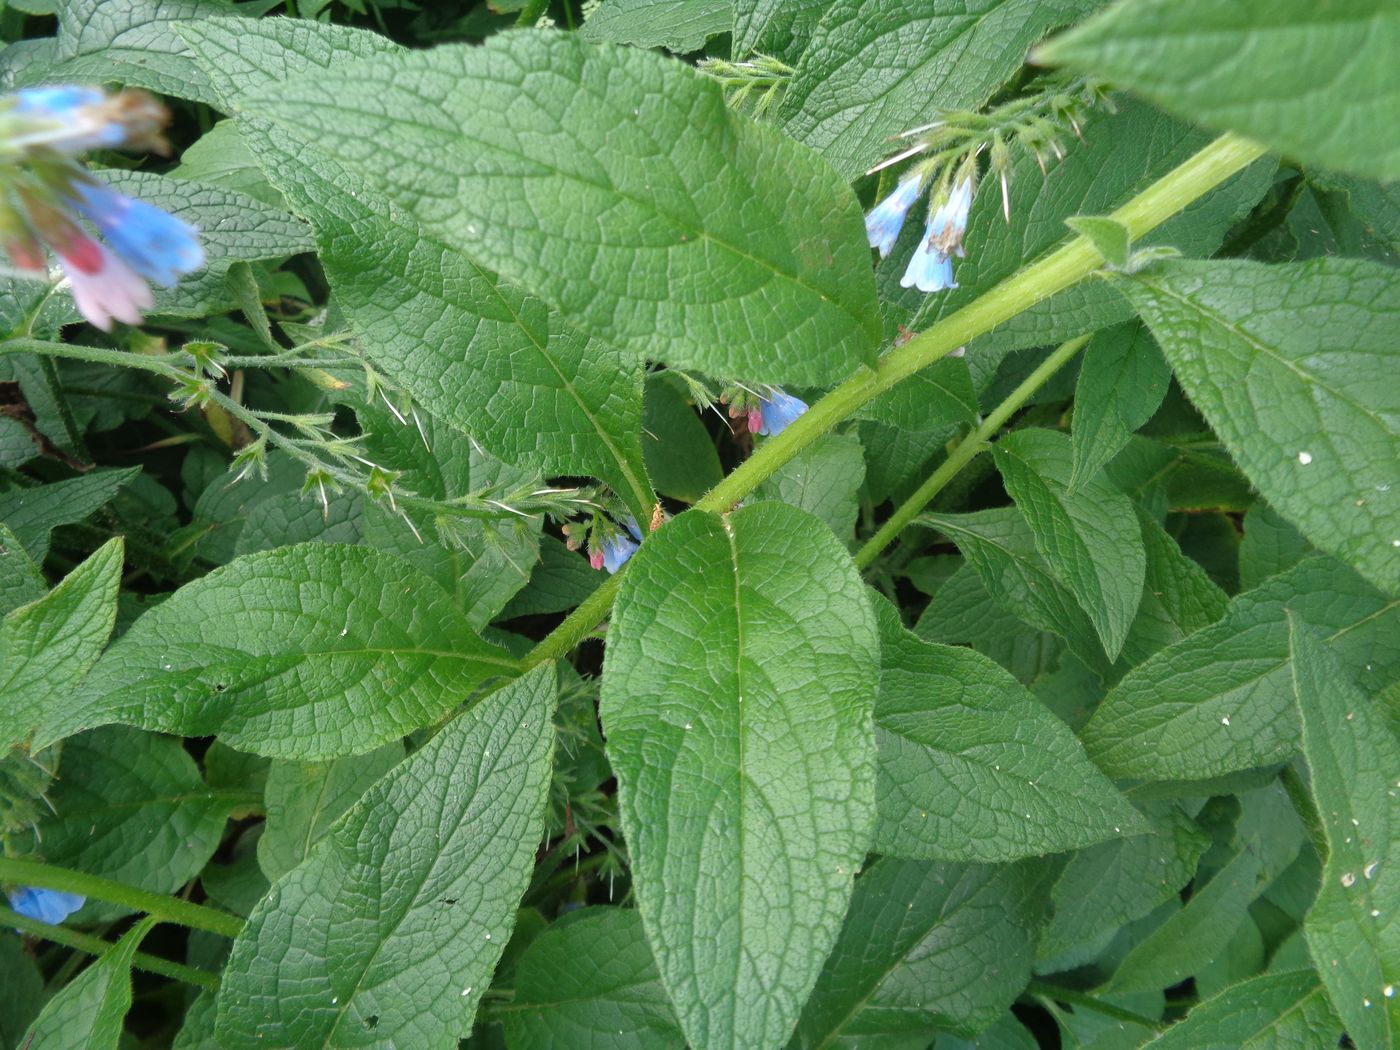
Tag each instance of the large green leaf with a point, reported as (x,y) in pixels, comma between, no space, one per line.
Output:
(87,1013)
(303,652)
(677,25)
(1284,362)
(589,980)
(1122,381)
(1352,929)
(824,479)
(972,766)
(1318,81)
(387,934)
(680,453)
(1088,535)
(1278,1011)
(1221,699)
(874,69)
(926,946)
(131,806)
(47,647)
(21,582)
(482,355)
(1178,599)
(618,185)
(21,991)
(741,669)
(1122,154)
(1115,882)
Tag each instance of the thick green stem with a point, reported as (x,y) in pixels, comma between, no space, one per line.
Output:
(967,450)
(162,907)
(83,942)
(1222,158)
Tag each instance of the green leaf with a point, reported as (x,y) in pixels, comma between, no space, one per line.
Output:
(130,42)
(741,667)
(1283,362)
(1089,536)
(1270,546)
(824,479)
(1315,81)
(775,27)
(932,399)
(304,652)
(304,799)
(1122,381)
(48,646)
(999,546)
(487,358)
(131,806)
(1115,882)
(32,513)
(1352,931)
(220,157)
(1198,932)
(874,69)
(589,980)
(1122,154)
(730,249)
(21,582)
(926,946)
(1109,237)
(1221,699)
(681,26)
(87,1012)
(1278,1011)
(21,991)
(388,932)
(560,581)
(680,453)
(1178,599)
(972,766)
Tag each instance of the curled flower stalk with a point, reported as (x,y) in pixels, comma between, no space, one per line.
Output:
(46,197)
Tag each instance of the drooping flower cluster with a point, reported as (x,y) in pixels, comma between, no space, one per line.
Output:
(45,195)
(766,414)
(609,547)
(930,268)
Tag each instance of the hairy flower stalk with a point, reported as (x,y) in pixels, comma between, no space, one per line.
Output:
(46,196)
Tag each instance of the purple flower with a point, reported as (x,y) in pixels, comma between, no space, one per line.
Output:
(776,412)
(883,223)
(111,291)
(157,245)
(50,906)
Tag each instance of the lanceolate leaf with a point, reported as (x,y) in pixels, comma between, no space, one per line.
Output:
(1089,536)
(1353,928)
(926,946)
(1286,362)
(32,513)
(388,933)
(741,668)
(973,767)
(47,647)
(1314,80)
(1278,1011)
(302,652)
(87,1013)
(589,980)
(484,356)
(1221,699)
(876,69)
(711,241)
(1121,382)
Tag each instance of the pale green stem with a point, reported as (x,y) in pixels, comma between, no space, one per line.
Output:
(1218,161)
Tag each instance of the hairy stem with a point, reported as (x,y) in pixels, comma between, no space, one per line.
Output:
(967,450)
(97,946)
(1196,176)
(158,905)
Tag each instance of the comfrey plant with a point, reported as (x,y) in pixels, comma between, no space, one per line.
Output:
(45,192)
(546,576)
